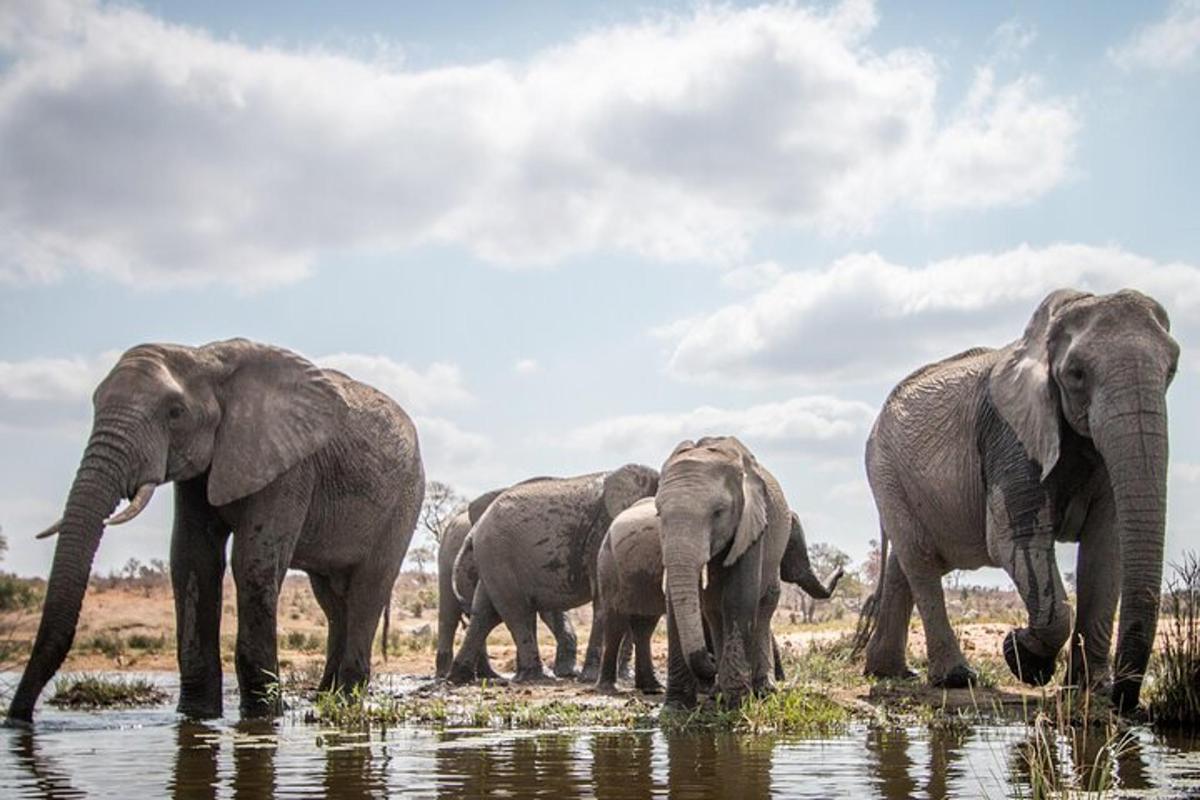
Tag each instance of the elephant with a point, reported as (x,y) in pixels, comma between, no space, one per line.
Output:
(630,569)
(725,526)
(307,468)
(992,455)
(456,587)
(535,549)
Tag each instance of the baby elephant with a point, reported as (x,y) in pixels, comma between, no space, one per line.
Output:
(630,573)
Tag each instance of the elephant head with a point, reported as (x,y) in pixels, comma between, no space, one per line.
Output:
(626,485)
(240,412)
(1098,367)
(712,503)
(796,568)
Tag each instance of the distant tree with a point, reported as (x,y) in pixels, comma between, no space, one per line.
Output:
(442,502)
(872,566)
(421,556)
(3,543)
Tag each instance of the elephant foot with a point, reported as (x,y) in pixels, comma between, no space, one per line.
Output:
(1125,692)
(765,689)
(679,703)
(1029,667)
(648,685)
(532,677)
(589,674)
(198,710)
(902,673)
(565,671)
(605,687)
(488,674)
(460,675)
(18,723)
(960,676)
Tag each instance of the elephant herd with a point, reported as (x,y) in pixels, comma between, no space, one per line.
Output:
(988,457)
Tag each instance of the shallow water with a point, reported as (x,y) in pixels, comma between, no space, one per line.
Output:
(152,753)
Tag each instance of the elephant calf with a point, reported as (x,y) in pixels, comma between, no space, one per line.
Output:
(630,568)
(305,467)
(535,549)
(990,456)
(457,579)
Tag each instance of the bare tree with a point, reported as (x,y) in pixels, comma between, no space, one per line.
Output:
(442,502)
(825,560)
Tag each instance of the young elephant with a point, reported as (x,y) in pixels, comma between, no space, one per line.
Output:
(535,549)
(457,578)
(306,468)
(989,457)
(630,570)
(724,518)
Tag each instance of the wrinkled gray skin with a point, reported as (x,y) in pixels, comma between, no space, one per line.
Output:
(723,515)
(457,579)
(306,467)
(535,549)
(630,570)
(989,457)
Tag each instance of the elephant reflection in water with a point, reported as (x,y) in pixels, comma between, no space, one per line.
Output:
(44,773)
(709,766)
(197,773)
(545,765)
(621,766)
(1097,762)
(896,774)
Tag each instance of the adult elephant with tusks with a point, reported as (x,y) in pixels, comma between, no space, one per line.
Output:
(535,549)
(306,468)
(457,578)
(725,525)
(989,457)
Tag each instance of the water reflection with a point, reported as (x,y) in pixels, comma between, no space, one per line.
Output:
(622,766)
(43,777)
(194,776)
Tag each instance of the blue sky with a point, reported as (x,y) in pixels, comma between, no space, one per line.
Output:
(567,235)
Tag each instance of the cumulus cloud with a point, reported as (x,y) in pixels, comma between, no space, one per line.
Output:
(154,153)
(864,317)
(1168,44)
(818,423)
(439,386)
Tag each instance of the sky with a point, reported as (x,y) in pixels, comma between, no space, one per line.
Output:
(566,236)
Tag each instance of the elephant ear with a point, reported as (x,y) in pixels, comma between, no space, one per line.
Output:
(276,410)
(466,573)
(481,504)
(754,512)
(625,486)
(1021,387)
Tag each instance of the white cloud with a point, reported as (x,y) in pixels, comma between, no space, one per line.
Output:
(437,387)
(526,366)
(864,317)
(1185,471)
(157,154)
(816,423)
(1168,44)
(54,380)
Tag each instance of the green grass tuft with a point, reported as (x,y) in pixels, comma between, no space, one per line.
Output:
(799,710)
(92,691)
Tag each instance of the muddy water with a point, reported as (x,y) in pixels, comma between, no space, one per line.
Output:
(152,753)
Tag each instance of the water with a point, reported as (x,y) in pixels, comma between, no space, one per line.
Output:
(153,753)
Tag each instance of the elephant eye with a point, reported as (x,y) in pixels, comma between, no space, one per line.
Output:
(175,412)
(1076,375)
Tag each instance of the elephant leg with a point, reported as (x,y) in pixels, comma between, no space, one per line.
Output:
(1098,571)
(484,619)
(763,659)
(198,541)
(565,642)
(483,665)
(947,666)
(522,624)
(591,658)
(615,626)
(333,604)
(1031,651)
(887,651)
(625,656)
(777,656)
(740,612)
(449,616)
(641,629)
(681,684)
(367,592)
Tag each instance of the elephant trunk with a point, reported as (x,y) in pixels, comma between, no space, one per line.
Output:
(99,486)
(684,556)
(797,568)
(1131,435)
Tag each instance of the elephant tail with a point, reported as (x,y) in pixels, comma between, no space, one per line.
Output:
(869,614)
(387,618)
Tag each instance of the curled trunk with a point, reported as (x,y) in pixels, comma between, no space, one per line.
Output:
(98,487)
(797,568)
(1133,441)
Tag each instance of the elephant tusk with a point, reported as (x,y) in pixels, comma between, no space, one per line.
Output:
(704,578)
(51,531)
(136,504)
